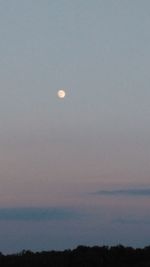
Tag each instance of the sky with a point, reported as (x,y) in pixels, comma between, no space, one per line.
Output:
(74,171)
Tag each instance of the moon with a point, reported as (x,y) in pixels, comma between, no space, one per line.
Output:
(61,93)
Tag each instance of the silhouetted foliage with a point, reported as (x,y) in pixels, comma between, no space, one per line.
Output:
(82,256)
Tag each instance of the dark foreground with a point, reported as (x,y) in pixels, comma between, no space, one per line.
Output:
(118,256)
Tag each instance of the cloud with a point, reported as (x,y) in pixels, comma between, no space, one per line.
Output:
(132,220)
(125,192)
(37,214)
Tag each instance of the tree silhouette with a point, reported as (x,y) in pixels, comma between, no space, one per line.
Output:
(82,256)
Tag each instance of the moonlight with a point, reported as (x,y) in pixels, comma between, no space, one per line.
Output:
(61,93)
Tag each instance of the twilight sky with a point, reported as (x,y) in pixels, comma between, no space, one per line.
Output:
(74,171)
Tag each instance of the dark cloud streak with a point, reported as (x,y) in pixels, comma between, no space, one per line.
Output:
(125,192)
(37,214)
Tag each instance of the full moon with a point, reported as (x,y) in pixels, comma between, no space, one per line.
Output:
(61,93)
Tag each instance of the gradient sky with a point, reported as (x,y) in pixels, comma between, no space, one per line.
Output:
(74,171)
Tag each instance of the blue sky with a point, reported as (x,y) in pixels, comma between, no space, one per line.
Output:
(56,154)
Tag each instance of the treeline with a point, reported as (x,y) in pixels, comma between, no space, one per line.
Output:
(82,256)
